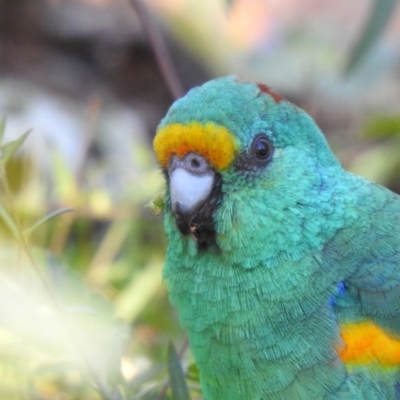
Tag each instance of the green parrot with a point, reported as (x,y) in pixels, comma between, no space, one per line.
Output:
(285,269)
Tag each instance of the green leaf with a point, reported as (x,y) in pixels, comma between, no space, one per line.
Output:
(11,147)
(141,289)
(193,373)
(379,163)
(378,19)
(156,206)
(46,219)
(65,184)
(5,216)
(382,126)
(179,387)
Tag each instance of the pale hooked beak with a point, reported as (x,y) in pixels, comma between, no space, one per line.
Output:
(191,182)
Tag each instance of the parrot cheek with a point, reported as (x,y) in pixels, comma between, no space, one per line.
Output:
(193,194)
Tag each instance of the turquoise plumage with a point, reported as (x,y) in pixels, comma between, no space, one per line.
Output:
(285,268)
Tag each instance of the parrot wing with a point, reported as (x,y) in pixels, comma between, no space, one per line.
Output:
(368,254)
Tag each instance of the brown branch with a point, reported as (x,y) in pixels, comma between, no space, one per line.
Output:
(159,49)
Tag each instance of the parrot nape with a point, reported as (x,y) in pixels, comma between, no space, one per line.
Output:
(285,268)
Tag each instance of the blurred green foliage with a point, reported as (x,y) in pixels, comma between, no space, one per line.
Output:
(382,126)
(380,159)
(83,311)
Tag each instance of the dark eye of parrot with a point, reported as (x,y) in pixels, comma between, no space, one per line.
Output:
(262,148)
(257,156)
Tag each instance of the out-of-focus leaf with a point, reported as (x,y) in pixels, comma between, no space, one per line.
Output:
(179,387)
(193,373)
(46,218)
(378,19)
(5,216)
(382,126)
(138,293)
(379,163)
(156,206)
(66,187)
(11,147)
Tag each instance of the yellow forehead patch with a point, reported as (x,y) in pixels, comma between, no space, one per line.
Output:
(213,142)
(367,343)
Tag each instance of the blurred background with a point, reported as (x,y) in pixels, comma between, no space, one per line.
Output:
(83,310)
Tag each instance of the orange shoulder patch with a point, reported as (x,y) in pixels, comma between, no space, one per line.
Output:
(367,343)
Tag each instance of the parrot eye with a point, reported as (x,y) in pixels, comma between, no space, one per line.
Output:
(262,148)
(257,156)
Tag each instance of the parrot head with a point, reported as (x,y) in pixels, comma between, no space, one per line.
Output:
(236,156)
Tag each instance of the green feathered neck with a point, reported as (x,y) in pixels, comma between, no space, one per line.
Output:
(258,308)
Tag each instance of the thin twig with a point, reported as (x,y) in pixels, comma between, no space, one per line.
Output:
(93,109)
(159,49)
